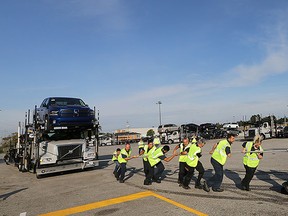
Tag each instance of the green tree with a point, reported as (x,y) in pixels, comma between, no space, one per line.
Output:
(8,142)
(255,119)
(150,133)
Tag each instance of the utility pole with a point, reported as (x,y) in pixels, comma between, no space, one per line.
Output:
(159,103)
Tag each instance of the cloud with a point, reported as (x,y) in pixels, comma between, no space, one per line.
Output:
(196,100)
(274,63)
(141,101)
(110,14)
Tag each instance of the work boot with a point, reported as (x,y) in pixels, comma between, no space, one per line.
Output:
(245,187)
(186,187)
(248,188)
(158,181)
(205,187)
(198,186)
(217,189)
(147,182)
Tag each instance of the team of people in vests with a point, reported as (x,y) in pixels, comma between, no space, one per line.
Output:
(189,160)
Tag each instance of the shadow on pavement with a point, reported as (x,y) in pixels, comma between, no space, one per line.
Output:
(5,196)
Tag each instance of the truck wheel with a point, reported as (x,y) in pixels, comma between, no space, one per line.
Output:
(38,176)
(170,141)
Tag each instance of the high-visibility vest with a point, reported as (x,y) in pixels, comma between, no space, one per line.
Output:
(192,158)
(194,141)
(147,153)
(251,159)
(114,158)
(154,157)
(182,158)
(156,141)
(124,152)
(141,144)
(219,153)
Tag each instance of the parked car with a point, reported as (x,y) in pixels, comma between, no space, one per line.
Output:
(285,132)
(279,131)
(59,112)
(168,128)
(228,126)
(105,141)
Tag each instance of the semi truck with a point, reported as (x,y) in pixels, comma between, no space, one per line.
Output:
(61,151)
(170,137)
(44,149)
(264,130)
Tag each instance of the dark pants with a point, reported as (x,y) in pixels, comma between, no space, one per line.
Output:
(217,178)
(121,171)
(248,176)
(116,166)
(190,173)
(182,172)
(160,169)
(148,170)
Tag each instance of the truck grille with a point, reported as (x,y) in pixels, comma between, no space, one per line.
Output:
(69,152)
(74,113)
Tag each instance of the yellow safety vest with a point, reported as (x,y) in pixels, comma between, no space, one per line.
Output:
(147,153)
(141,144)
(194,141)
(124,152)
(154,157)
(192,158)
(251,159)
(182,158)
(219,153)
(156,141)
(114,158)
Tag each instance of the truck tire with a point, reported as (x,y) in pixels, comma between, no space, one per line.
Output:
(170,141)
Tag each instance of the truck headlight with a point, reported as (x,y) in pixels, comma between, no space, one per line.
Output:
(54,112)
(91,113)
(45,159)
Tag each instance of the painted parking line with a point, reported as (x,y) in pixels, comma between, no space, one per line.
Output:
(113,201)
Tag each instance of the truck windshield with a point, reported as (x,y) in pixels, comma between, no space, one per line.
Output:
(66,102)
(64,135)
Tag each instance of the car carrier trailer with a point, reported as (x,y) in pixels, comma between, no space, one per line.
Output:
(60,149)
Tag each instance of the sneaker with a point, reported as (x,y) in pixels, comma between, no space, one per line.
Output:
(205,187)
(217,189)
(121,181)
(158,181)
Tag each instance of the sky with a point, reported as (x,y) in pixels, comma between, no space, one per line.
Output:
(206,61)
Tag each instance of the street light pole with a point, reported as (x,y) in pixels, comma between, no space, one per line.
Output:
(159,103)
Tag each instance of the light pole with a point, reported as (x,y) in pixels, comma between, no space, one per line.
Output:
(159,103)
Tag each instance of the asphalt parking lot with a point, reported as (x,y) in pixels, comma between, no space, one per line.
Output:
(96,191)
